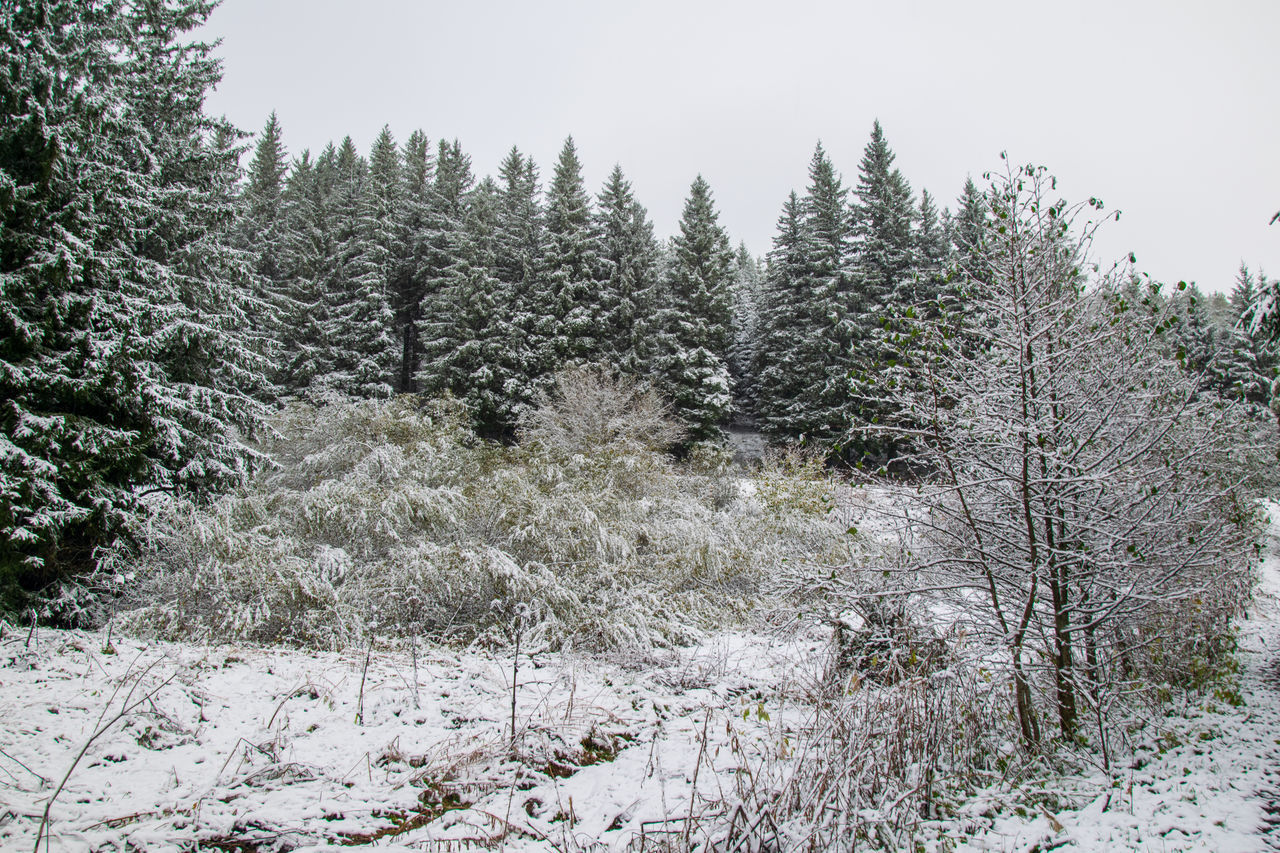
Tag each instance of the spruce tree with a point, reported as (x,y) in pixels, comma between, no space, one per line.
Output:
(883,216)
(123,361)
(519,269)
(1244,293)
(747,290)
(629,254)
(442,249)
(695,329)
(887,265)
(830,278)
(573,265)
(418,230)
(784,320)
(310,259)
(262,220)
(968,228)
(810,325)
(933,252)
(482,370)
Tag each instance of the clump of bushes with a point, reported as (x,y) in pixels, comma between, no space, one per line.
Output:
(391,519)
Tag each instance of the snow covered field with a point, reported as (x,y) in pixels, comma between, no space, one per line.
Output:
(264,748)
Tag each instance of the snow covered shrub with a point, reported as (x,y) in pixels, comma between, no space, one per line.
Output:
(590,410)
(388,519)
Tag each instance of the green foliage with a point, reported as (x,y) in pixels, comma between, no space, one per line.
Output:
(125,366)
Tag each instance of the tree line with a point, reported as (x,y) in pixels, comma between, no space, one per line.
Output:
(156,299)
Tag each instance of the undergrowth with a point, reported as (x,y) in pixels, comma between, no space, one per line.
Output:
(391,519)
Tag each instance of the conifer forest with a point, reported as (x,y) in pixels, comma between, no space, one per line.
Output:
(448,511)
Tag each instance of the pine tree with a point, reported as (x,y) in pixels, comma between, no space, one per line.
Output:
(933,251)
(784,320)
(887,288)
(442,249)
(695,330)
(573,265)
(969,226)
(810,326)
(262,221)
(519,268)
(883,217)
(260,231)
(747,289)
(831,278)
(360,319)
(123,362)
(410,280)
(1244,293)
(629,254)
(310,260)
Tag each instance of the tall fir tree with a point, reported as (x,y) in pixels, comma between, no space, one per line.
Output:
(418,224)
(123,362)
(482,369)
(310,254)
(436,329)
(784,320)
(695,328)
(747,290)
(573,265)
(262,221)
(629,256)
(261,232)
(520,270)
(933,251)
(888,261)
(357,333)
(969,226)
(810,326)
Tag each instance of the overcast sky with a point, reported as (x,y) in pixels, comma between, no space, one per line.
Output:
(1168,110)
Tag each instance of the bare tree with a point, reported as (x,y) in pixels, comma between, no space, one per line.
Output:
(1086,506)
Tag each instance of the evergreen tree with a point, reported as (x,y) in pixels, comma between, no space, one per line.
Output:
(123,361)
(831,279)
(360,318)
(933,251)
(748,285)
(887,288)
(418,230)
(695,329)
(482,369)
(1244,293)
(519,268)
(261,232)
(443,247)
(573,265)
(262,220)
(968,228)
(310,260)
(810,324)
(883,217)
(629,255)
(784,320)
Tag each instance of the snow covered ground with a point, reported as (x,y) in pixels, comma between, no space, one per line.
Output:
(267,745)
(260,748)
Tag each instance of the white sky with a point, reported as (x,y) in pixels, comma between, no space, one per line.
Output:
(1168,110)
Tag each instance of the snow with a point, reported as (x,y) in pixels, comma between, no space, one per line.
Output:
(263,744)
